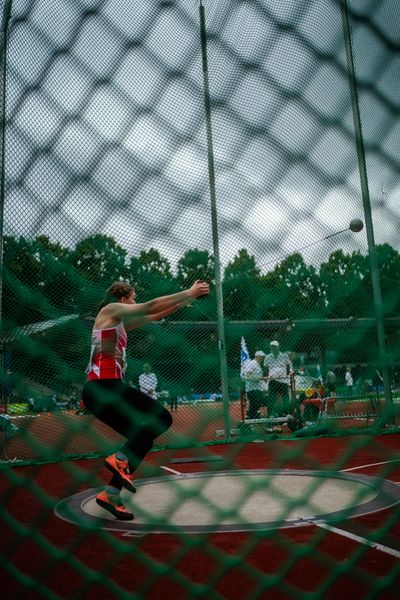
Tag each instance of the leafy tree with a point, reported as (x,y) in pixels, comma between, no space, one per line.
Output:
(151,275)
(57,278)
(242,288)
(389,274)
(346,285)
(42,280)
(21,274)
(294,290)
(195,264)
(98,261)
(35,279)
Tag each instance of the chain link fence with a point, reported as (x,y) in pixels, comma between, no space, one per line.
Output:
(239,142)
(108,145)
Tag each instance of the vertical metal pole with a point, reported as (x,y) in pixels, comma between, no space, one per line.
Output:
(376,288)
(214,221)
(3,56)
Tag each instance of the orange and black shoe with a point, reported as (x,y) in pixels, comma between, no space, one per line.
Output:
(114,505)
(120,467)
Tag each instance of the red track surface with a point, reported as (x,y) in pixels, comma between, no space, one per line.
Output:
(48,436)
(41,552)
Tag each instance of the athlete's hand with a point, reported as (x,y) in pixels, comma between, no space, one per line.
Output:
(199,288)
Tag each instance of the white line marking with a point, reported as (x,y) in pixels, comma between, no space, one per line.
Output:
(356,538)
(385,462)
(171,470)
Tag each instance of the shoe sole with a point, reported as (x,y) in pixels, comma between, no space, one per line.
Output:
(125,483)
(111,509)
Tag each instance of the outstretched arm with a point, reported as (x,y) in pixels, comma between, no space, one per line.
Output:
(135,315)
(153,317)
(199,288)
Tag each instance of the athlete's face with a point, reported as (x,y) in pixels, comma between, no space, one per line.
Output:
(129,299)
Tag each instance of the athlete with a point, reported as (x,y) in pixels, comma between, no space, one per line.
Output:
(130,412)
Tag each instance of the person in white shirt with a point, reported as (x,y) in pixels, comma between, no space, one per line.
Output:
(148,382)
(278,368)
(330,382)
(349,381)
(254,385)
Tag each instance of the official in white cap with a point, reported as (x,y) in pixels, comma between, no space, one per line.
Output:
(278,368)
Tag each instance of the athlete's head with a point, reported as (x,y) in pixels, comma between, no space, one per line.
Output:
(119,291)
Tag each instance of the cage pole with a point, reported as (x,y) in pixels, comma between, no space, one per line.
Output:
(214,221)
(5,20)
(376,287)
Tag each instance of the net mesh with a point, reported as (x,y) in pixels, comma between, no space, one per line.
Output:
(106,177)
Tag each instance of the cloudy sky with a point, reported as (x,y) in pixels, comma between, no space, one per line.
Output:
(106,128)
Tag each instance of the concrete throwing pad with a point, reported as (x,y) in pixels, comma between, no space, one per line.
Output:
(236,501)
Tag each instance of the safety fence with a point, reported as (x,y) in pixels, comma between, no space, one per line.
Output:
(251,144)
(121,122)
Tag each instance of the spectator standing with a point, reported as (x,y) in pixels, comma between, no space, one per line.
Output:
(148,382)
(330,382)
(278,368)
(348,378)
(254,385)
(173,401)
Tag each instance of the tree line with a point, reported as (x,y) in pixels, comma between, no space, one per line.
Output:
(43,280)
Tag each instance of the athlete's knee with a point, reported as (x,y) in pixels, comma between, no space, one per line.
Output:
(160,422)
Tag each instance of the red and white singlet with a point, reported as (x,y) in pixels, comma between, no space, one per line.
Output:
(107,357)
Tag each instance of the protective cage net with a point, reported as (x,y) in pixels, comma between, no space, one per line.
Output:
(107,178)
(108,156)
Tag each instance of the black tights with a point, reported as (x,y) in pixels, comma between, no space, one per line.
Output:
(130,412)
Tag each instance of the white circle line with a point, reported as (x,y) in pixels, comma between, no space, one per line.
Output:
(385,462)
(356,538)
(171,470)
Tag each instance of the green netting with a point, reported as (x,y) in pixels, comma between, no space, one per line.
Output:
(114,143)
(142,143)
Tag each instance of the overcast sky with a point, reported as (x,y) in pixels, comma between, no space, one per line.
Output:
(106,128)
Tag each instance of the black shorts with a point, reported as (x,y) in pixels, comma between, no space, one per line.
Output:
(124,408)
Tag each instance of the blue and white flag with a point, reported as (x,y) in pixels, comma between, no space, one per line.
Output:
(244,356)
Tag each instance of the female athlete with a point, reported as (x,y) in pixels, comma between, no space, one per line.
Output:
(130,412)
